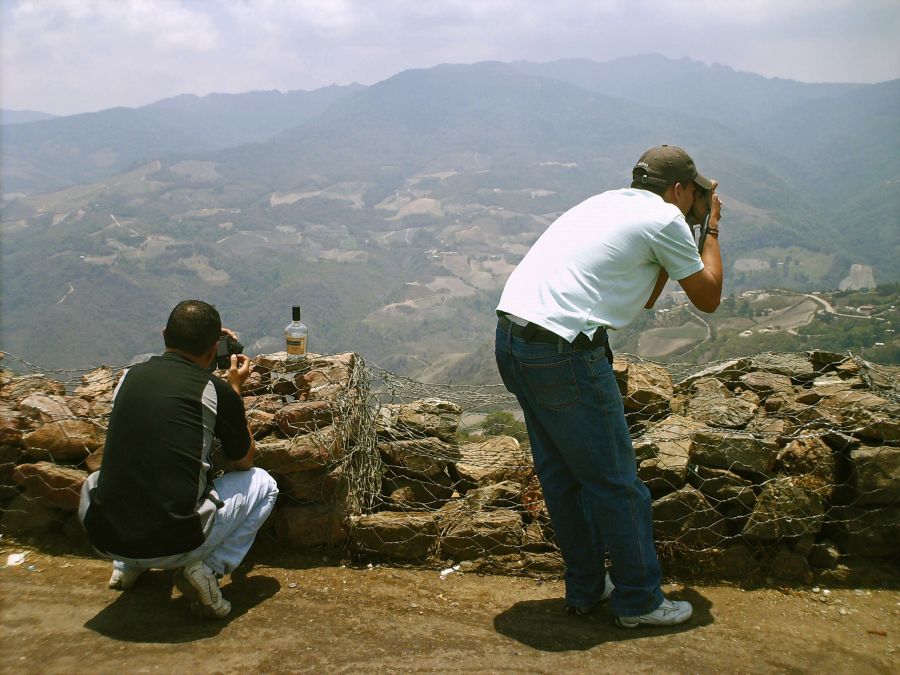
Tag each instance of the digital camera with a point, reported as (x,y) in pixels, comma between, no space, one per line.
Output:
(226,347)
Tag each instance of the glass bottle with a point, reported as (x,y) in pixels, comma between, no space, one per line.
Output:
(295,335)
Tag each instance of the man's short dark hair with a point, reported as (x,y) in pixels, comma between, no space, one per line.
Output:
(193,327)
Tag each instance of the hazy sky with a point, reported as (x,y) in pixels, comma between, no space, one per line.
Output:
(69,56)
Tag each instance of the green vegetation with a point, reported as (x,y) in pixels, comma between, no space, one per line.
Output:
(89,273)
(504,424)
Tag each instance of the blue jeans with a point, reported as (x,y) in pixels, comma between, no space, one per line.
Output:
(585,461)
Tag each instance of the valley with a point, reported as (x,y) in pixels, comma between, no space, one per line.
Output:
(394,213)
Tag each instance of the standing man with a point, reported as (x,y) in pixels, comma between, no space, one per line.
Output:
(153,503)
(592,270)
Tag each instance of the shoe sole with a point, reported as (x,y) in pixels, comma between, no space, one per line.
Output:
(624,623)
(208,612)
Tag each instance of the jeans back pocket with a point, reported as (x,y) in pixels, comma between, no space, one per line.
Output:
(553,385)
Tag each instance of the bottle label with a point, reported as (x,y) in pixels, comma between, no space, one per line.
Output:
(296,346)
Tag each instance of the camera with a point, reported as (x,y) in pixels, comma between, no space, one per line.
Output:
(226,347)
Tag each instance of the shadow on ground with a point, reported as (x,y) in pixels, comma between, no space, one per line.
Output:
(544,624)
(148,612)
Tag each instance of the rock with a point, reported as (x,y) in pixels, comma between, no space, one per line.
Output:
(796,366)
(427,417)
(498,459)
(261,423)
(99,383)
(824,361)
(533,501)
(808,456)
(94,461)
(712,403)
(801,545)
(94,409)
(60,486)
(256,384)
(791,566)
(397,535)
(865,531)
(537,565)
(278,362)
(507,494)
(419,458)
(405,493)
(733,450)
(13,424)
(839,575)
(302,417)
(876,475)
(67,440)
(768,429)
(822,387)
(27,515)
(283,384)
(784,509)
(483,533)
(648,387)
(726,371)
(730,494)
(10,456)
(321,485)
(536,540)
(43,408)
(728,561)
(882,376)
(301,453)
(685,517)
(824,555)
(23,386)
(309,525)
(865,415)
(326,378)
(765,384)
(270,403)
(665,448)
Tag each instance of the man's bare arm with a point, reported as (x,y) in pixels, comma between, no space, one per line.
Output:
(238,373)
(704,288)
(660,283)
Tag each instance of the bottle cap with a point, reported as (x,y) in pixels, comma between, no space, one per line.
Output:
(295,311)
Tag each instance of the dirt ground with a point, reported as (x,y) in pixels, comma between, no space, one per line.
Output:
(303,614)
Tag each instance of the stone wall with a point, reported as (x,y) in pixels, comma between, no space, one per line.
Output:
(786,465)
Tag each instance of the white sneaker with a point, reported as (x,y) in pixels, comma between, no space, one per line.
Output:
(198,583)
(669,613)
(581,611)
(122,580)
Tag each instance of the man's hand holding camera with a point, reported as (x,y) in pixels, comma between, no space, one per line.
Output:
(238,371)
(230,355)
(706,211)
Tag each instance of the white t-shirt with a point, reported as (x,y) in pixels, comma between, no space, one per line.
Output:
(597,264)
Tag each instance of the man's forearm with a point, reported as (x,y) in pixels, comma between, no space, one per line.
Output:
(660,283)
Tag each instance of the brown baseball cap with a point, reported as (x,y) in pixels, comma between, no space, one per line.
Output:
(667,164)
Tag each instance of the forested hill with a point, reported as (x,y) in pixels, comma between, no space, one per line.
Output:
(393,213)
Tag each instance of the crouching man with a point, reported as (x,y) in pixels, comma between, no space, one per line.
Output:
(153,503)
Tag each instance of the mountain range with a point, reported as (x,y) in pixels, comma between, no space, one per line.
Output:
(393,213)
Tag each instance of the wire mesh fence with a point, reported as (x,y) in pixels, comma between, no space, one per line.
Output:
(784,465)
